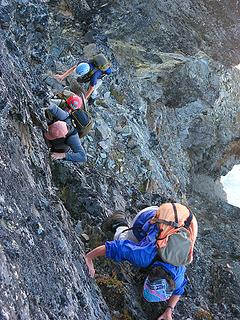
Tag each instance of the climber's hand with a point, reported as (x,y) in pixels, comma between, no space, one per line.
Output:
(90,266)
(58,156)
(167,315)
(59,77)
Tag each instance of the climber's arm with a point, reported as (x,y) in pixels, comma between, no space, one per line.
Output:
(61,77)
(167,314)
(89,91)
(97,252)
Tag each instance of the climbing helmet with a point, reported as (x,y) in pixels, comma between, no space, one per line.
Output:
(74,102)
(82,69)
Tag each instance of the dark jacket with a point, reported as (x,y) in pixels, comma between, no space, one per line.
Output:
(72,143)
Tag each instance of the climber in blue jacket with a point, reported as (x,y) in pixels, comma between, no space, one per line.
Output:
(91,71)
(164,281)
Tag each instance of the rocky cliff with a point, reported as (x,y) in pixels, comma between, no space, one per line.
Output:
(166,125)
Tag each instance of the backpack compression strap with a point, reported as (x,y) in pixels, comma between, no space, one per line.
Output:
(186,222)
(173,224)
(189,220)
(168,223)
(175,213)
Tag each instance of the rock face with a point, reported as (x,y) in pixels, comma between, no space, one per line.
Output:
(166,126)
(42,266)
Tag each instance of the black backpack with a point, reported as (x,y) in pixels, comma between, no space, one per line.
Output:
(101,62)
(81,119)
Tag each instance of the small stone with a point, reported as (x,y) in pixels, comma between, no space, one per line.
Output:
(1,212)
(78,227)
(103,131)
(90,50)
(103,155)
(105,145)
(107,95)
(31,241)
(81,299)
(84,237)
(90,138)
(116,313)
(2,200)
(136,151)
(111,164)
(40,230)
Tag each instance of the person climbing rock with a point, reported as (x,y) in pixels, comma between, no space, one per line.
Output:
(91,72)
(138,245)
(76,106)
(61,137)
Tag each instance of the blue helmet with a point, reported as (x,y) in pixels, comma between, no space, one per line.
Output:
(82,69)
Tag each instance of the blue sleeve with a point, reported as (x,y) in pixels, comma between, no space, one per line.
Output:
(139,255)
(108,71)
(77,154)
(97,75)
(180,290)
(57,112)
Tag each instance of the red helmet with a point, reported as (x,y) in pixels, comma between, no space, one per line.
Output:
(74,102)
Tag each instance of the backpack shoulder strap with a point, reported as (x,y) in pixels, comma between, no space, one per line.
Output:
(189,220)
(84,101)
(175,212)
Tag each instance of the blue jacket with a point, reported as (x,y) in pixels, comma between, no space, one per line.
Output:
(98,74)
(143,253)
(77,153)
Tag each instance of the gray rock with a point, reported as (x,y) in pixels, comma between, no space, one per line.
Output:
(103,132)
(85,237)
(170,129)
(78,228)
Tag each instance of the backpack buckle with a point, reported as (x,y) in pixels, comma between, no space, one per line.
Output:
(174,224)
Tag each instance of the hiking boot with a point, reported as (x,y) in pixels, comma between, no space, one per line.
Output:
(114,221)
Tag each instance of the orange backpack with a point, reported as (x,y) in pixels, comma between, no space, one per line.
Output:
(177,233)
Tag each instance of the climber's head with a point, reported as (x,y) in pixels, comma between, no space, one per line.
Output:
(74,102)
(57,130)
(82,69)
(158,286)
